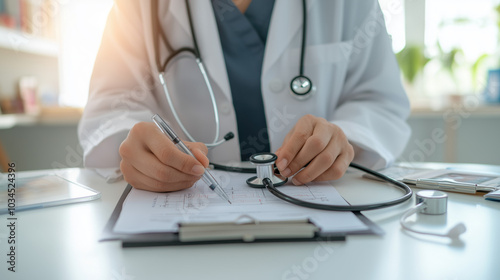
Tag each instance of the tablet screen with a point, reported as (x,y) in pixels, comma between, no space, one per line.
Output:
(43,191)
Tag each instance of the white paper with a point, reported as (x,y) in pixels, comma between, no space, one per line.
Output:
(145,211)
(495,195)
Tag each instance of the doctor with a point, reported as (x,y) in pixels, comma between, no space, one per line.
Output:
(251,51)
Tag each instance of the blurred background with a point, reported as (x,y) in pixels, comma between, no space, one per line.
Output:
(448,52)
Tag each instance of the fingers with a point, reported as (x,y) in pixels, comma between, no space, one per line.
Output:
(336,170)
(144,182)
(148,164)
(322,168)
(314,146)
(168,154)
(148,154)
(318,164)
(200,151)
(320,146)
(295,141)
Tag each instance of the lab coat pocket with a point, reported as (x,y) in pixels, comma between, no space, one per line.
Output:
(322,53)
(327,66)
(329,53)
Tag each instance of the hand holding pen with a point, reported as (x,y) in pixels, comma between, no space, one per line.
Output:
(150,161)
(207,176)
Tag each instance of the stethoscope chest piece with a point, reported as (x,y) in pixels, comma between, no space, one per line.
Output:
(435,202)
(264,164)
(301,87)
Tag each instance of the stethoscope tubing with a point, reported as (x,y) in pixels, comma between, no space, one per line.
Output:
(355,208)
(362,207)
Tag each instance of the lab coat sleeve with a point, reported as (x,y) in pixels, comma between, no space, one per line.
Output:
(373,106)
(120,89)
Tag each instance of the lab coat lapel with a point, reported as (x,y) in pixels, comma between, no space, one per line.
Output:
(175,24)
(209,44)
(286,21)
(178,10)
(207,35)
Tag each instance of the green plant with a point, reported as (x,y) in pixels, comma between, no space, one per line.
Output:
(449,60)
(411,60)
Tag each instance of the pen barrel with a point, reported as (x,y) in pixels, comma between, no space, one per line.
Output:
(209,180)
(183,147)
(206,177)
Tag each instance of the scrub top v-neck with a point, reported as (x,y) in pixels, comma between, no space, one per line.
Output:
(243,39)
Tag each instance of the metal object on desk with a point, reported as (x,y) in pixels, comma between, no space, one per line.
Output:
(432,202)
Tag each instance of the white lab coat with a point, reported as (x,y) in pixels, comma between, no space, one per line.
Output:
(348,58)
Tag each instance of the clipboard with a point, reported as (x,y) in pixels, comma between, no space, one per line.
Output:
(172,239)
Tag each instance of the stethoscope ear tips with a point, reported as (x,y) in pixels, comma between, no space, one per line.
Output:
(456,231)
(434,203)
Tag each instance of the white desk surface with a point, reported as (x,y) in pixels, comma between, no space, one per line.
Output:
(62,243)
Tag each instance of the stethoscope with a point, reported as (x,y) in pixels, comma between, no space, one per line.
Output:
(427,202)
(268,177)
(301,86)
(432,202)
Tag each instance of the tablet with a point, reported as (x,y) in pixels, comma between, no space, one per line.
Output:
(443,179)
(41,191)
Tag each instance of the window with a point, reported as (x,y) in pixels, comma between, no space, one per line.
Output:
(444,47)
(461,38)
(393,11)
(82,25)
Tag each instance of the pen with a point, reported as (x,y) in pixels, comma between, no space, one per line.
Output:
(207,177)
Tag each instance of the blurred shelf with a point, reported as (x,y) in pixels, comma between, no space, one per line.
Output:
(23,42)
(47,116)
(483,110)
(10,120)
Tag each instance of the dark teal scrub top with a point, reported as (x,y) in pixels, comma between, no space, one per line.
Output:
(243,39)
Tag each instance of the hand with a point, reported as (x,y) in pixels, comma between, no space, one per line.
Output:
(150,161)
(318,142)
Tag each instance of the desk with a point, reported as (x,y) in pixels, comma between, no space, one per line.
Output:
(61,243)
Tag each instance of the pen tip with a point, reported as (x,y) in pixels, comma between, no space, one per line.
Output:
(229,201)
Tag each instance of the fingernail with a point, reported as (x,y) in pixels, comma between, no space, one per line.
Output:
(286,172)
(296,182)
(282,164)
(198,170)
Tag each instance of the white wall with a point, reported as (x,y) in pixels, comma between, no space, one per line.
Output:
(14,65)
(466,136)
